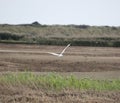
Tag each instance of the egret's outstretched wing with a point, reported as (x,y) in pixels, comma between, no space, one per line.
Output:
(65,49)
(61,54)
(53,53)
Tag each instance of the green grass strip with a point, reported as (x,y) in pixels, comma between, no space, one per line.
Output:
(53,81)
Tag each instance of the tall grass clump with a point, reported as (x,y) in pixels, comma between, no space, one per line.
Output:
(53,81)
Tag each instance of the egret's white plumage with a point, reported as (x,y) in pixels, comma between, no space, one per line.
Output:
(61,54)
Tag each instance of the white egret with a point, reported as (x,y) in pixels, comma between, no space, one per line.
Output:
(61,54)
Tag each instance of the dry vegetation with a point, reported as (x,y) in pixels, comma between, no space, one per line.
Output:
(21,94)
(62,31)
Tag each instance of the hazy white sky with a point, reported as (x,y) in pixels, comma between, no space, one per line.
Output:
(89,12)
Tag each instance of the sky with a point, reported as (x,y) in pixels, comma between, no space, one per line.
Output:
(63,12)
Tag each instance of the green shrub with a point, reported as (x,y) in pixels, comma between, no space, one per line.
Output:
(9,36)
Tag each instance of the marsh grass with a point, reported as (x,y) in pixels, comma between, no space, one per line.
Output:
(53,81)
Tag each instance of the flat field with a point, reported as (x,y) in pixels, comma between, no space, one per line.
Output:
(76,59)
(83,62)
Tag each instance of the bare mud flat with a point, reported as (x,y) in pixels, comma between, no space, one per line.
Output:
(14,57)
(90,62)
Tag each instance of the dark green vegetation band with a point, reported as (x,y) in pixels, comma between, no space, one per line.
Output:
(80,42)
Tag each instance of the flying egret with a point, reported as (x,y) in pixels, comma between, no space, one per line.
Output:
(61,54)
